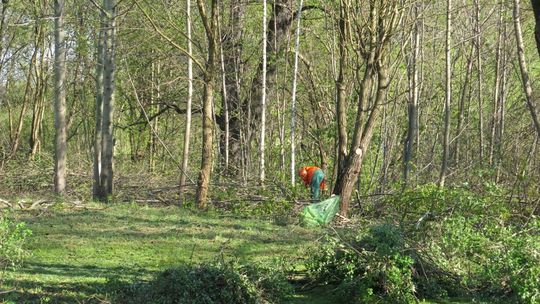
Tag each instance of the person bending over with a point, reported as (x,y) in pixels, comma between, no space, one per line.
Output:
(313,177)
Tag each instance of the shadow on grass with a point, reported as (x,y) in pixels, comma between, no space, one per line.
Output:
(59,283)
(65,270)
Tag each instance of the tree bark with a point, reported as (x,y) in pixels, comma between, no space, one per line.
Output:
(109,71)
(448,96)
(293,99)
(341,94)
(383,19)
(98,132)
(480,94)
(210,25)
(60,155)
(412,105)
(187,131)
(263,99)
(232,46)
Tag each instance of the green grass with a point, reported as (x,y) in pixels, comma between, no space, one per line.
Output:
(74,252)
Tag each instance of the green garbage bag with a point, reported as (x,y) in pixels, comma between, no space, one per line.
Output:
(320,213)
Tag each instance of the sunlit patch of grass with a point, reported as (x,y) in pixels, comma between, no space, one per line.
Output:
(75,252)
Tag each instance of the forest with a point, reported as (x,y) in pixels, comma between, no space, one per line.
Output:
(173,151)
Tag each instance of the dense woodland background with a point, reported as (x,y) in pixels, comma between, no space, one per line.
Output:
(317,93)
(423,114)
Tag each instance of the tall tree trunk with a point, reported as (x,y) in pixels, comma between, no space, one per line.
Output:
(480,94)
(232,119)
(502,102)
(362,139)
(226,135)
(187,131)
(383,19)
(412,106)
(446,136)
(60,155)
(98,131)
(496,88)
(341,94)
(523,68)
(210,25)
(278,28)
(263,99)
(109,71)
(465,96)
(293,101)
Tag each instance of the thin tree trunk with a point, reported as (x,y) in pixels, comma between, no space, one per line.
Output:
(98,131)
(293,102)
(465,95)
(210,25)
(480,79)
(496,89)
(523,68)
(263,98)
(26,99)
(502,102)
(60,154)
(226,114)
(413,98)
(39,92)
(187,132)
(446,138)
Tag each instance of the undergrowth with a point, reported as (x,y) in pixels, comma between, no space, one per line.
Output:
(440,244)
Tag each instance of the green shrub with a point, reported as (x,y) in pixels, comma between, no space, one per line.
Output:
(13,237)
(469,243)
(208,283)
(368,268)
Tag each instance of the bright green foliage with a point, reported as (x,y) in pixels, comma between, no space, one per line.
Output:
(12,239)
(368,268)
(450,242)
(480,242)
(209,283)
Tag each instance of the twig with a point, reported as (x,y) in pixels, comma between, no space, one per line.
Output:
(6,203)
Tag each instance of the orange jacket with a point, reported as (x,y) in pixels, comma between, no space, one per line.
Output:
(306,173)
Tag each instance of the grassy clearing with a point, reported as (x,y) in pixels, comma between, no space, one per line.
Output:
(75,251)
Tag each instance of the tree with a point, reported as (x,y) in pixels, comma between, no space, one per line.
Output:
(263,100)
(210,27)
(374,38)
(96,185)
(293,102)
(108,98)
(187,132)
(448,95)
(412,105)
(231,120)
(60,99)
